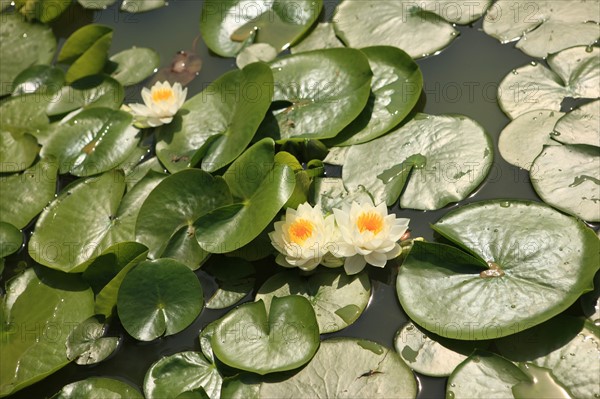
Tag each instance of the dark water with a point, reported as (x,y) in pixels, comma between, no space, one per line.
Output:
(462,79)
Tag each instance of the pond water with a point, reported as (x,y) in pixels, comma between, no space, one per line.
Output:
(462,79)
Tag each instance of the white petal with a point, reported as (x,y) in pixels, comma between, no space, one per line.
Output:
(354,264)
(147,97)
(395,252)
(280,259)
(376,259)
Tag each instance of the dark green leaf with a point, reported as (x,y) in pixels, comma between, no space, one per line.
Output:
(11,239)
(86,344)
(42,79)
(92,91)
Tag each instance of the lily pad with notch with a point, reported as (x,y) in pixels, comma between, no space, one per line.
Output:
(524,264)
(100,387)
(87,345)
(580,126)
(321,37)
(429,162)
(133,65)
(338,299)
(235,277)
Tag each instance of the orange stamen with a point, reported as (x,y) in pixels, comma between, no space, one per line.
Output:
(370,221)
(162,94)
(300,231)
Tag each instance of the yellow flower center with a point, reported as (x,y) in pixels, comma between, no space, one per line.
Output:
(371,221)
(300,231)
(162,94)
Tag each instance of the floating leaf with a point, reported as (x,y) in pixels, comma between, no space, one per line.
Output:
(135,6)
(260,188)
(98,387)
(446,158)
(167,220)
(23,45)
(330,193)
(254,338)
(350,368)
(92,91)
(254,53)
(96,4)
(11,239)
(526,263)
(33,342)
(42,79)
(93,141)
(134,65)
(430,354)
(235,279)
(86,344)
(581,126)
(574,72)
(24,195)
(159,297)
(217,124)
(42,10)
(338,299)
(395,88)
(324,91)
(321,37)
(543,27)
(182,372)
(522,140)
(419,28)
(227,25)
(568,178)
(86,50)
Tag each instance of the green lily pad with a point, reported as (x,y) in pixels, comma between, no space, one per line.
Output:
(24,195)
(235,278)
(11,239)
(338,299)
(568,178)
(395,88)
(444,158)
(182,372)
(325,89)
(23,45)
(430,354)
(262,52)
(241,386)
(565,345)
(525,263)
(96,4)
(260,188)
(42,79)
(419,28)
(135,6)
(159,297)
(104,217)
(581,126)
(167,221)
(329,193)
(93,141)
(98,387)
(134,65)
(574,72)
(217,124)
(87,345)
(86,50)
(18,150)
(91,91)
(42,10)
(33,342)
(522,140)
(254,338)
(227,25)
(543,27)
(322,36)
(348,368)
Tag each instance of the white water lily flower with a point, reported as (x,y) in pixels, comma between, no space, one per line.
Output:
(161,103)
(368,235)
(304,238)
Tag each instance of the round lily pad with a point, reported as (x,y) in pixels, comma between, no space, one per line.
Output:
(525,263)
(23,45)
(322,36)
(419,28)
(322,92)
(580,126)
(41,79)
(134,65)
(61,302)
(568,178)
(522,140)
(179,373)
(347,368)
(228,25)
(167,220)
(430,354)
(93,141)
(574,72)
(265,340)
(159,297)
(338,299)
(98,387)
(217,125)
(87,345)
(395,88)
(91,91)
(11,239)
(543,27)
(567,346)
(444,158)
